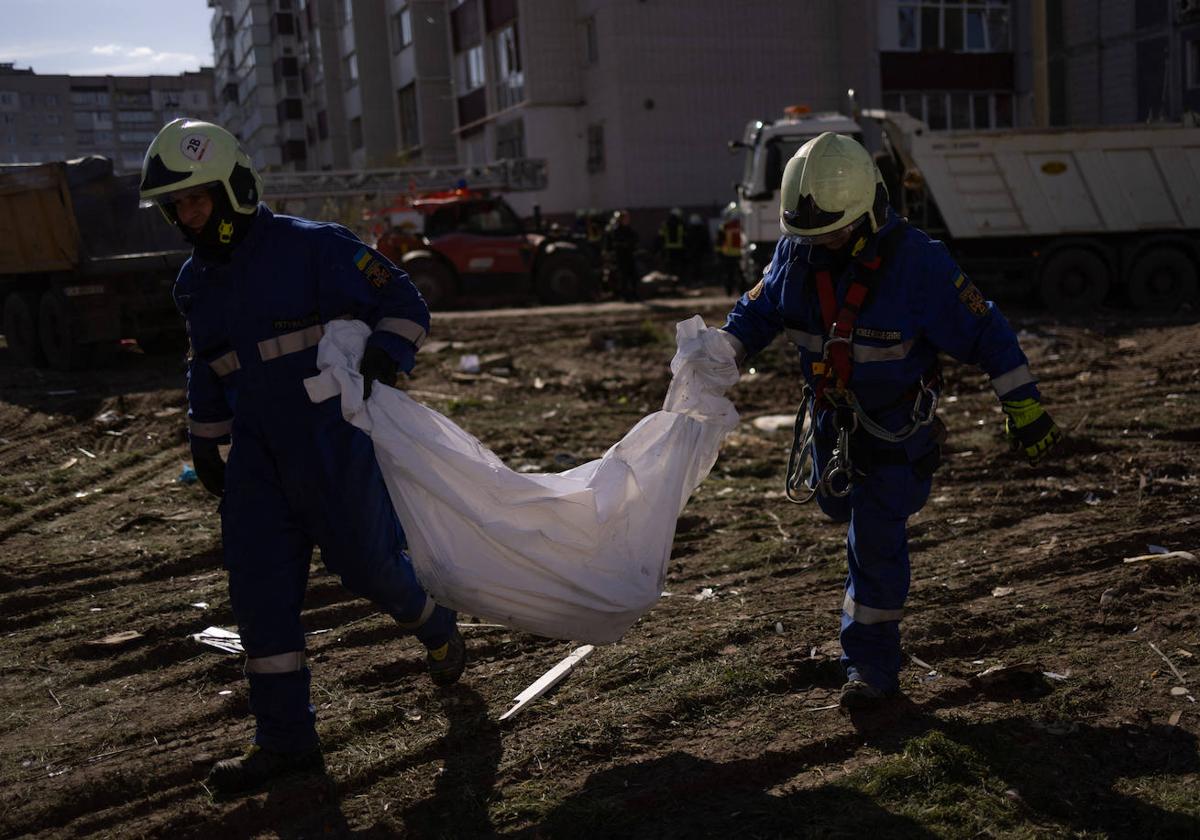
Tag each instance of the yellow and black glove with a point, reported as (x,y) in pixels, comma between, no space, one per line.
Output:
(1029,428)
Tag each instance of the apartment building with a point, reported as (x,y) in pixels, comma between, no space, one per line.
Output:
(1119,61)
(58,117)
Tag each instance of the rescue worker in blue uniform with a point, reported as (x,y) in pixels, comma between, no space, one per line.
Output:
(256,294)
(870,302)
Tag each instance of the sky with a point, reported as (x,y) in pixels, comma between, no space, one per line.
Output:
(106,37)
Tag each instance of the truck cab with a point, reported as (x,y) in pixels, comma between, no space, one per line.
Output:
(767,146)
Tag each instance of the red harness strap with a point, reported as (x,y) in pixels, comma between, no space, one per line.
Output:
(839,327)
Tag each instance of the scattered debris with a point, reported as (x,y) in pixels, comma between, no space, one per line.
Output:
(187,475)
(115,639)
(823,708)
(167,412)
(1173,720)
(1178,691)
(469,363)
(1170,664)
(704,594)
(1001,591)
(1169,555)
(111,419)
(220,638)
(85,452)
(549,679)
(70,462)
(774,422)
(200,605)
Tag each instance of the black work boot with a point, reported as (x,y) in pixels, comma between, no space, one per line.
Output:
(446,663)
(858,695)
(259,765)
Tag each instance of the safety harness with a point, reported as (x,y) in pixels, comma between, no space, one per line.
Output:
(830,389)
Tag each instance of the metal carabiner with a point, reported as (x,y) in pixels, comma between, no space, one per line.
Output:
(800,453)
(839,466)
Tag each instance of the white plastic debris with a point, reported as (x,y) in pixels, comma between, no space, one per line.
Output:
(221,639)
(548,680)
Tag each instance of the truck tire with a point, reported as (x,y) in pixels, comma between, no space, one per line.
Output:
(20,329)
(433,280)
(57,334)
(1162,279)
(1074,280)
(563,277)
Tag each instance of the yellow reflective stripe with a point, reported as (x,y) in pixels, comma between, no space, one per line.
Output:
(210,430)
(227,364)
(280,663)
(426,612)
(293,342)
(869,615)
(404,328)
(1015,378)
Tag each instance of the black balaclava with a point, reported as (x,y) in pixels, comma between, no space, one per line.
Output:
(222,232)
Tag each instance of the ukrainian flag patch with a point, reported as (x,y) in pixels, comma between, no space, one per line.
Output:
(376,272)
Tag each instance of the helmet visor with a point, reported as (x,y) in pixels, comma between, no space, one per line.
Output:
(840,235)
(166,201)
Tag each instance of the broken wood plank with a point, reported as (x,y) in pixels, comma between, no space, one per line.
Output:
(549,679)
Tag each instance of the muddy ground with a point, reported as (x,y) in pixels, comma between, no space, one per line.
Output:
(712,717)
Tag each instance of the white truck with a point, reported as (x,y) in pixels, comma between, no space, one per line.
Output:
(767,146)
(1080,215)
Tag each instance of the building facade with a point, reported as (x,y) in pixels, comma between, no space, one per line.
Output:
(1120,61)
(57,117)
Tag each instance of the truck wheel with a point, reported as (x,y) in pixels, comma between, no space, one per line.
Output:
(564,278)
(1074,280)
(20,329)
(433,280)
(58,335)
(1161,280)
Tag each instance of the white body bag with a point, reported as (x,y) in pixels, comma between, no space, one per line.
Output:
(574,555)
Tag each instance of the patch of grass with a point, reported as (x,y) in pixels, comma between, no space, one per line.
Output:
(944,785)
(10,505)
(461,405)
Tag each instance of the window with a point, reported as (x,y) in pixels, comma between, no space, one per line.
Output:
(490,219)
(956,110)
(402,28)
(510,80)
(951,25)
(595,148)
(1192,57)
(510,139)
(356,133)
(410,129)
(9,101)
(591,45)
(470,69)
(350,70)
(322,125)
(51,100)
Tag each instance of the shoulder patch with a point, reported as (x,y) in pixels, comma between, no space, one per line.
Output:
(754,293)
(375,271)
(971,297)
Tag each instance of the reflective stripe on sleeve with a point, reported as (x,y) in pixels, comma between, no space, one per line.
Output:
(227,364)
(806,341)
(869,615)
(293,342)
(426,612)
(280,663)
(1015,378)
(210,430)
(404,328)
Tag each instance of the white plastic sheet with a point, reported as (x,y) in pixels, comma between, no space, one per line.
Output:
(575,555)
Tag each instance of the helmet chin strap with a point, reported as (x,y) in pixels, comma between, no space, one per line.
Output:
(222,232)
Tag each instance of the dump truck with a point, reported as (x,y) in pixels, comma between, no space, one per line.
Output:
(1078,216)
(81,266)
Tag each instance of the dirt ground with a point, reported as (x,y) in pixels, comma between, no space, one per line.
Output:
(713,716)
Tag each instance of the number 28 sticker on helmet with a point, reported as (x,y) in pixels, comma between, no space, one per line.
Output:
(190,153)
(829,185)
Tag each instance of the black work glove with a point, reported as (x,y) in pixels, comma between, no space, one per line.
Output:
(210,468)
(377,366)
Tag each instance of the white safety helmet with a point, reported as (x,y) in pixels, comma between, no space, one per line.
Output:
(830,184)
(190,153)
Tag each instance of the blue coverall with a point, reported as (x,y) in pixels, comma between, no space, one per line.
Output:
(922,303)
(298,474)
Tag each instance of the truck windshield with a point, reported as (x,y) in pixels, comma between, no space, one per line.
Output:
(779,151)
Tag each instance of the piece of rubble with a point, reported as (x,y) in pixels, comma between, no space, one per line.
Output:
(1170,555)
(221,639)
(549,679)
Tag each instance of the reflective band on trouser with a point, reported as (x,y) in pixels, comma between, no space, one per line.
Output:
(227,364)
(861,352)
(210,430)
(869,615)
(1015,378)
(280,663)
(426,612)
(293,342)
(404,328)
